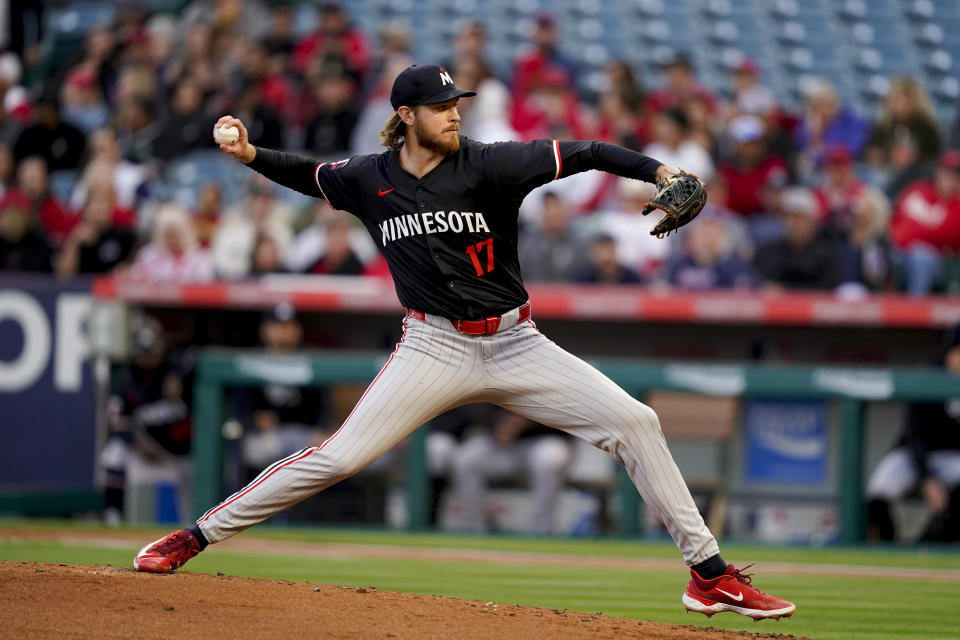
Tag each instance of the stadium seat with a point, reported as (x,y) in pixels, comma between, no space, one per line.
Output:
(853,9)
(929,35)
(869,60)
(939,61)
(863,33)
(651,7)
(800,59)
(792,32)
(589,7)
(920,10)
(786,8)
(724,32)
(719,8)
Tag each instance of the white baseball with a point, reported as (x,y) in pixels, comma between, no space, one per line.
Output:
(226,135)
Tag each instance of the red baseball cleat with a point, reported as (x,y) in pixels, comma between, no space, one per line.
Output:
(167,554)
(733,592)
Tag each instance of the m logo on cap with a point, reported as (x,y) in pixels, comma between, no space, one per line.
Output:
(445,77)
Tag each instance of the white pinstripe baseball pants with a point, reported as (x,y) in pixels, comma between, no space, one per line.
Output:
(435,368)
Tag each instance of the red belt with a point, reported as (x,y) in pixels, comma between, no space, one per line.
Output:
(484,327)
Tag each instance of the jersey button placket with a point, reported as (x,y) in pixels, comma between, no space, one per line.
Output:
(420,203)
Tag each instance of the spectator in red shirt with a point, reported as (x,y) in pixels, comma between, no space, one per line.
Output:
(752,171)
(542,69)
(333,36)
(751,177)
(55,217)
(550,110)
(544,58)
(839,189)
(926,224)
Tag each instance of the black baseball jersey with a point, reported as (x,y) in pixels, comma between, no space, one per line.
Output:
(450,237)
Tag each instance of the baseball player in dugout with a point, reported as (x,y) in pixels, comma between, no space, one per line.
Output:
(443,210)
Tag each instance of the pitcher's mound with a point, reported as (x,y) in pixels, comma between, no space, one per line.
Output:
(50,600)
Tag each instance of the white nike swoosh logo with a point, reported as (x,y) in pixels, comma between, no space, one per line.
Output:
(737,597)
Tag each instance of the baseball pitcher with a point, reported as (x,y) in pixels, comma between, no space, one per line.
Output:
(443,210)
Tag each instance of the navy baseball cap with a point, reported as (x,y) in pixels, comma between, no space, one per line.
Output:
(424,84)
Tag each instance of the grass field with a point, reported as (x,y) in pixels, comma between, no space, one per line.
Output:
(860,597)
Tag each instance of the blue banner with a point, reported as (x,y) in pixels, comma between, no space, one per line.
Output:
(786,441)
(47,402)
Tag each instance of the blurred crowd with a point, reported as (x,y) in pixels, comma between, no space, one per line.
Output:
(809,196)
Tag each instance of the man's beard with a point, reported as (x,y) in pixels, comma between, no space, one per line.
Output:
(442,144)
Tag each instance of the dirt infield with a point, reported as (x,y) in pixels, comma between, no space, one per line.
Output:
(75,601)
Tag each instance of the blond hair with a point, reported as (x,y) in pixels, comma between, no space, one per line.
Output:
(875,199)
(170,215)
(393,132)
(916,94)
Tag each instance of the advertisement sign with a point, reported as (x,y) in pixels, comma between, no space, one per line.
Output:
(786,441)
(47,408)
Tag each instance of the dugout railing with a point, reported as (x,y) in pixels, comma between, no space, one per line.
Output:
(851,387)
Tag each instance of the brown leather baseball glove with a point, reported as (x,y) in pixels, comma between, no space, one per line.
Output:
(681,198)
